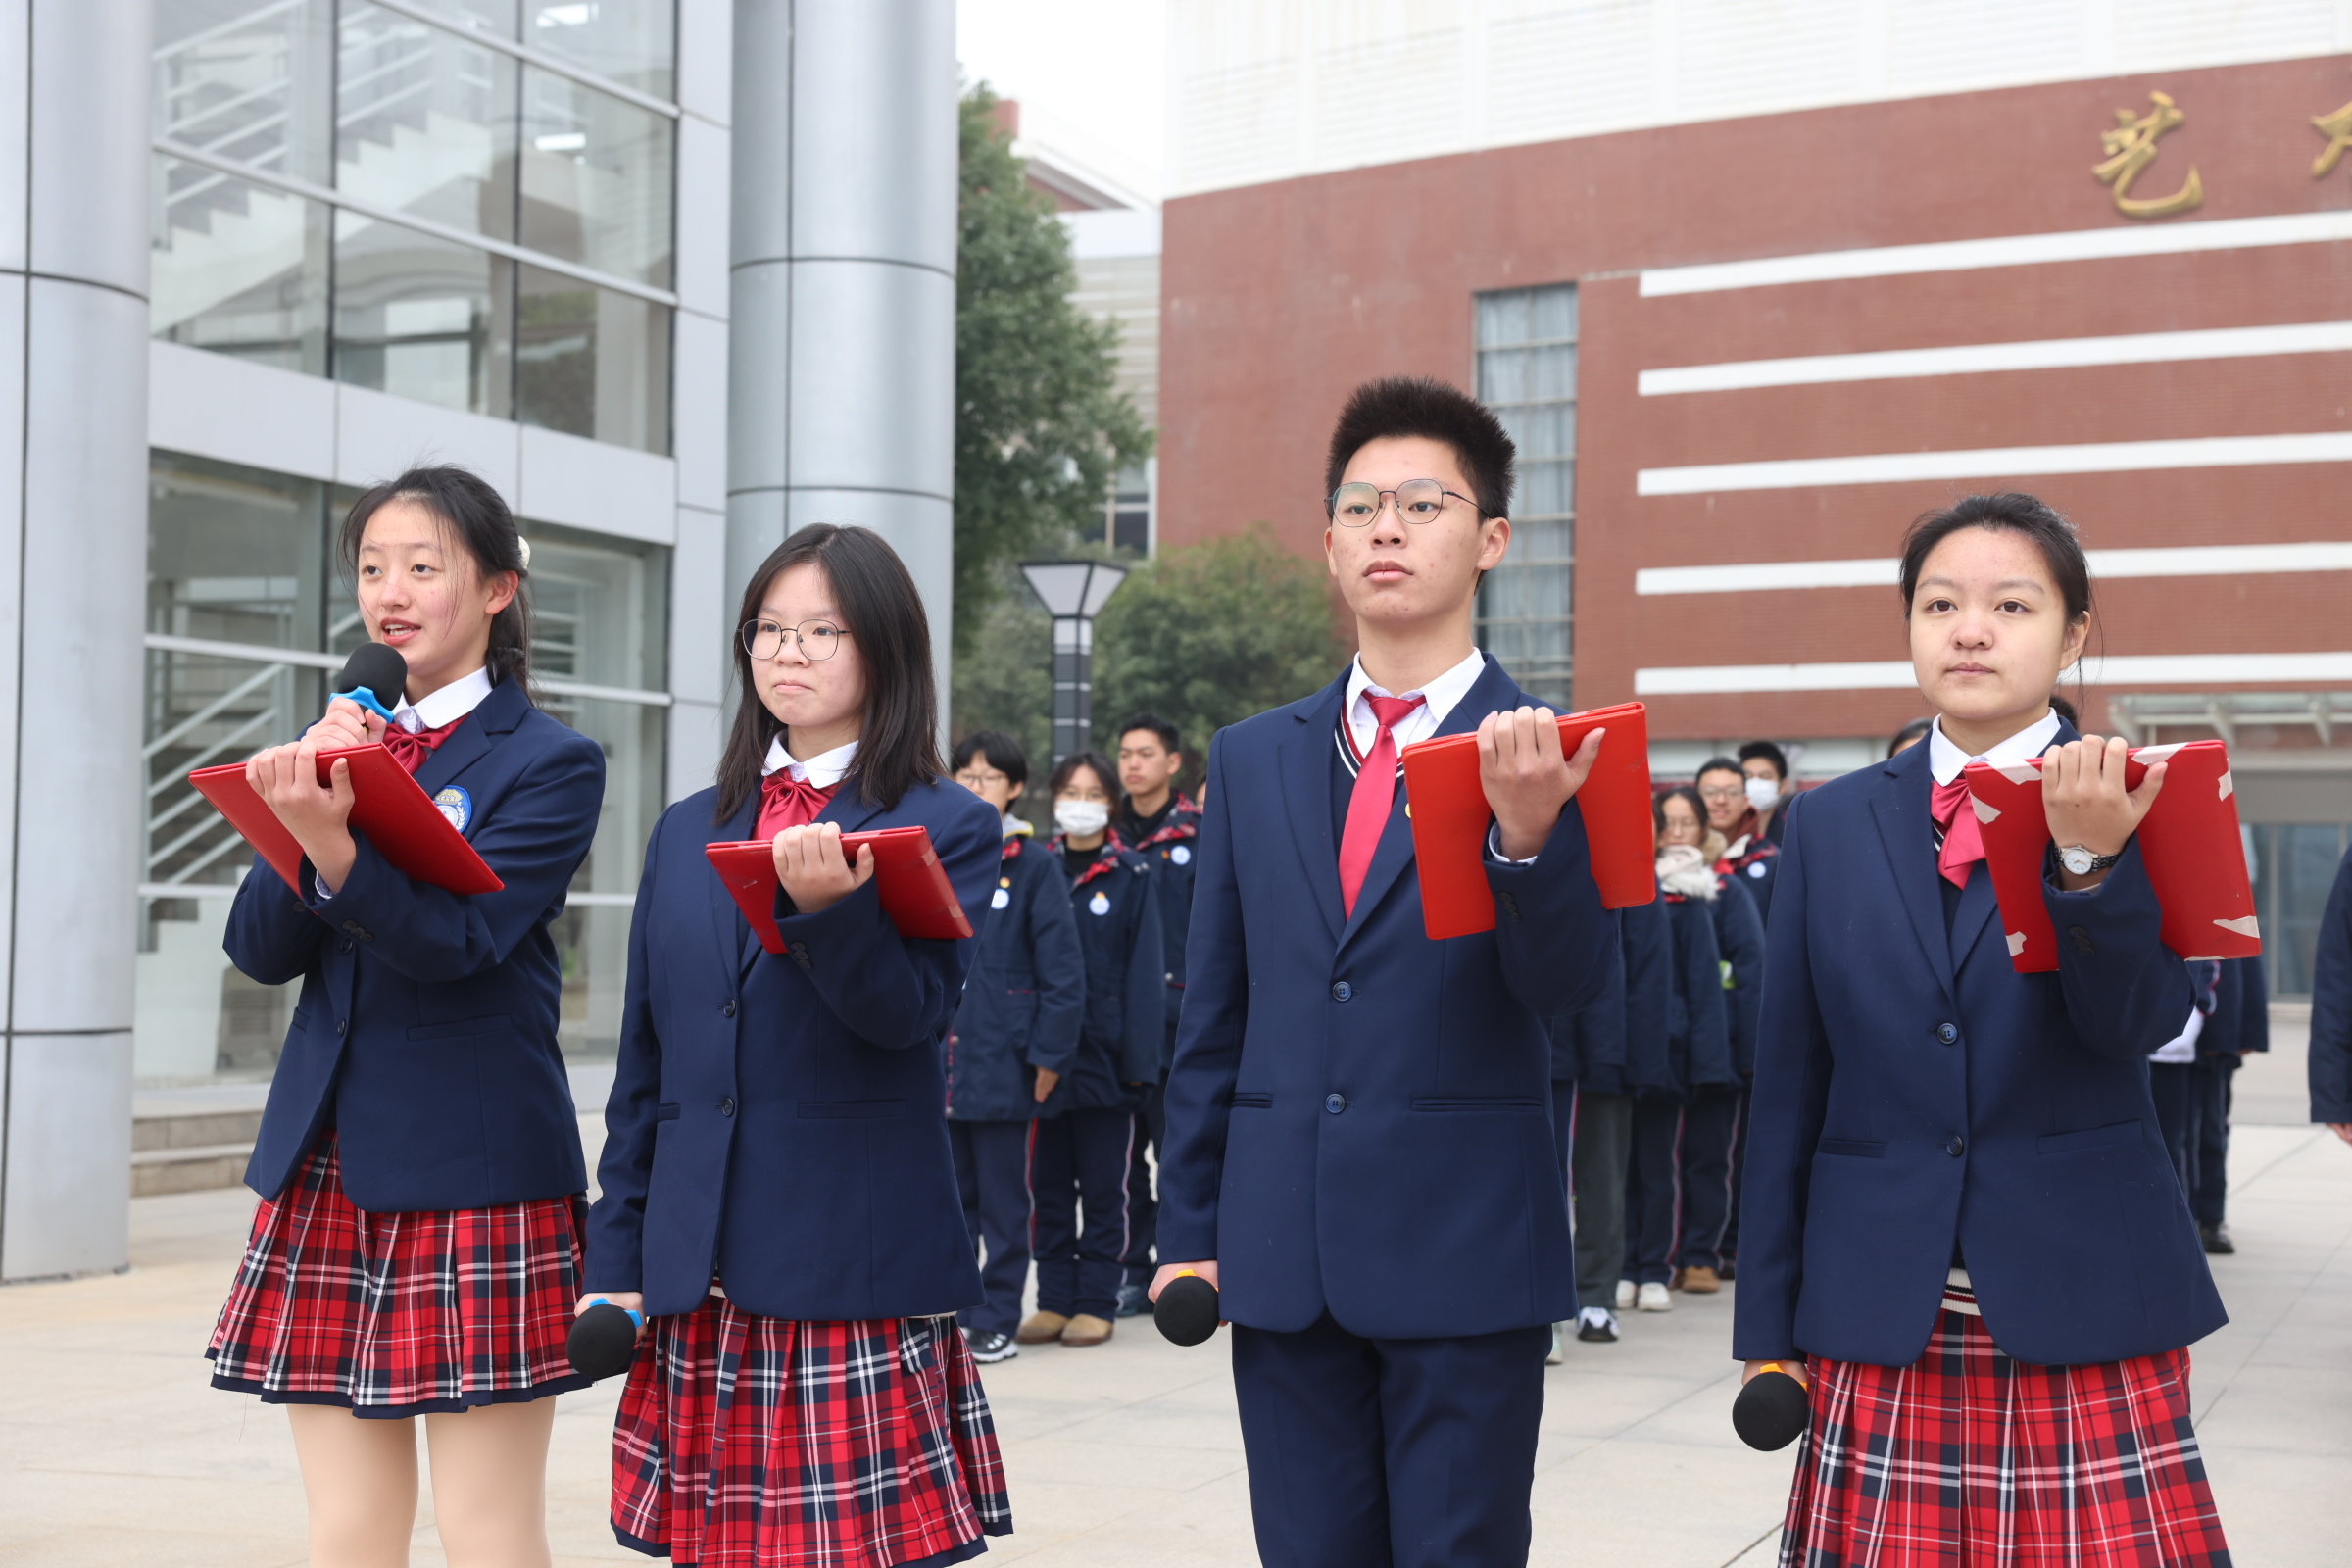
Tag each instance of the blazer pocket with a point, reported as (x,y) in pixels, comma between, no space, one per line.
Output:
(666,1112)
(2121,1132)
(1253,1101)
(850,1109)
(1476,1102)
(1852,1148)
(458,1029)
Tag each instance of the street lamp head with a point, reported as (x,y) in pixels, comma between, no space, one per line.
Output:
(1073,588)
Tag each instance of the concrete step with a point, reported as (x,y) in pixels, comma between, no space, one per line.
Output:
(193,1129)
(193,1168)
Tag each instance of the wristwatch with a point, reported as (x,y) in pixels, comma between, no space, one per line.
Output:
(2079,859)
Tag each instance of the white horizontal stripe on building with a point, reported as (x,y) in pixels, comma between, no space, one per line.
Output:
(304,658)
(2170,560)
(1894,674)
(1895,467)
(1976,359)
(2014,250)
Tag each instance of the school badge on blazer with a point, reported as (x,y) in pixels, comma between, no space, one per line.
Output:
(456,805)
(1100,904)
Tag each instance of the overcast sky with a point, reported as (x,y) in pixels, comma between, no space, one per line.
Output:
(1093,69)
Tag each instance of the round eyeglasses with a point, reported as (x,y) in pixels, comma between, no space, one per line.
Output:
(816,639)
(1355,506)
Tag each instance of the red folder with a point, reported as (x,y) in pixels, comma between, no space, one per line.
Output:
(916,892)
(1451,816)
(2190,842)
(400,820)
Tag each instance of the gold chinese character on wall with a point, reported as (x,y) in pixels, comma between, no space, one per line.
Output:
(2337,129)
(2131,147)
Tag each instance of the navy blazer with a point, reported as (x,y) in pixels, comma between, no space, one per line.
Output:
(1740,944)
(426,1034)
(1171,850)
(2329,1063)
(776,1118)
(1916,1098)
(2242,1012)
(1618,1043)
(1698,1027)
(1026,994)
(1358,1117)
(1116,906)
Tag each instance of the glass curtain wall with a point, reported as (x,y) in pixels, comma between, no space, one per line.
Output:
(467,202)
(1527,374)
(2294,867)
(248,616)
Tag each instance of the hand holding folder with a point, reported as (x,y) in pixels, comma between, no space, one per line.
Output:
(913,886)
(2188,841)
(389,807)
(1449,808)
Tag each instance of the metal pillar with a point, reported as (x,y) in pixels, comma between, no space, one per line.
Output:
(73,248)
(841,371)
(1073,685)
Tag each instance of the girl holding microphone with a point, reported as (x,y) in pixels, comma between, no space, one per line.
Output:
(417,1249)
(779,1193)
(1959,1223)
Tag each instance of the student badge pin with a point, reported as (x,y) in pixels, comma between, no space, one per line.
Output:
(1182,855)
(456,805)
(1100,904)
(1002,900)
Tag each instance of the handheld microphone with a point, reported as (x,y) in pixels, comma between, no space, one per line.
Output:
(603,1340)
(1187,1311)
(375,677)
(1772,1410)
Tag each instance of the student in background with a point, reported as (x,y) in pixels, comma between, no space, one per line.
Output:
(1698,1056)
(1013,1038)
(1908,736)
(1766,767)
(1746,853)
(2329,1063)
(1085,1137)
(1160,825)
(2239,1026)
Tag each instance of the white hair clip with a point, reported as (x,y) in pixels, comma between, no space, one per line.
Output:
(523,545)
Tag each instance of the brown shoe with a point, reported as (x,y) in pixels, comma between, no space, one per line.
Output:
(1043,1328)
(1086,1329)
(1699,1280)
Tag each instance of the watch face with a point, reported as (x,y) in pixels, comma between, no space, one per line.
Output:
(2077,861)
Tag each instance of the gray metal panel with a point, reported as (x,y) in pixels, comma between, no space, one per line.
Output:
(15,45)
(758,376)
(873,378)
(89,123)
(2315,798)
(13,292)
(760,221)
(705,43)
(754,527)
(67,1205)
(874,117)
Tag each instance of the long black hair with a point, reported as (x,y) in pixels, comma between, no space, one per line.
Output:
(2013,511)
(897,739)
(478,518)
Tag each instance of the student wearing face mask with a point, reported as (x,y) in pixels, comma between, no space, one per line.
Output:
(1746,854)
(1085,1144)
(1766,767)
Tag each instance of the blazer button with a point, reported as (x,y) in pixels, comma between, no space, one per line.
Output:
(1335,1104)
(726,1107)
(1341,991)
(342,1026)
(728,1012)
(1954,1147)
(346,947)
(1510,905)
(2081,939)
(1949,1034)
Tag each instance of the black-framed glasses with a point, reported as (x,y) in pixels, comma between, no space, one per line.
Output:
(1355,506)
(817,640)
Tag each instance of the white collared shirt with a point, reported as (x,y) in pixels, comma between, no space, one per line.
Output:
(447,705)
(824,770)
(1945,759)
(1438,699)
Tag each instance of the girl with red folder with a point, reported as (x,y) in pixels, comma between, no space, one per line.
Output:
(1959,1222)
(417,1249)
(779,1196)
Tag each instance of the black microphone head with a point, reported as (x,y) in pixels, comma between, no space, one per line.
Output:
(603,1341)
(377,667)
(1187,1311)
(1770,1412)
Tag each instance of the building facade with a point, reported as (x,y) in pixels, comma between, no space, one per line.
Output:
(1755,284)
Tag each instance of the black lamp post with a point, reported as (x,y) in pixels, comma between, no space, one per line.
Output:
(1073,593)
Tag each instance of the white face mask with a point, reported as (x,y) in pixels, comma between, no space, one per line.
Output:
(1081,819)
(1763,794)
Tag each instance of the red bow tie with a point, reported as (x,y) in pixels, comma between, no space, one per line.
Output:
(1963,835)
(410,748)
(788,801)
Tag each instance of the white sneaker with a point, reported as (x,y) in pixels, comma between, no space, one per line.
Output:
(1553,1357)
(1625,1296)
(1654,1298)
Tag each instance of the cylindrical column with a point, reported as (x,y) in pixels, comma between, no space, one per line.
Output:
(1073,685)
(73,248)
(842,319)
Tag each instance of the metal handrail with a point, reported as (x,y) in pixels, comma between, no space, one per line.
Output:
(204,714)
(221,29)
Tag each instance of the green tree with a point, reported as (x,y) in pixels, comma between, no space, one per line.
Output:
(1212,633)
(1041,428)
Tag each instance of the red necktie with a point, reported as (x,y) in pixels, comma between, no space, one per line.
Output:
(1374,793)
(1963,837)
(410,748)
(788,801)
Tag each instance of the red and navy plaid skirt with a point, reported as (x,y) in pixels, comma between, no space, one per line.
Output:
(396,1315)
(749,1441)
(1968,1458)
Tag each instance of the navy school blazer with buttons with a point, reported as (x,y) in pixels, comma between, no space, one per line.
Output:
(426,1034)
(1739,941)
(1120,1045)
(1916,1095)
(1358,1117)
(775,1120)
(1026,994)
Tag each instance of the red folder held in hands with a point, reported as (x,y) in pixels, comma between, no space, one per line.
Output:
(2188,842)
(407,827)
(914,888)
(1451,816)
